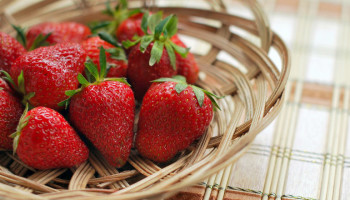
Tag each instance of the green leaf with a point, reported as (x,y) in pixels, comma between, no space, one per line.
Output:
(20,83)
(82,80)
(113,26)
(171,27)
(90,78)
(91,67)
(122,80)
(108,38)
(134,12)
(26,98)
(153,20)
(29,96)
(95,26)
(124,4)
(117,53)
(64,103)
(180,78)
(20,35)
(144,22)
(179,87)
(72,92)
(211,94)
(156,52)
(39,41)
(180,50)
(109,11)
(127,44)
(23,121)
(161,26)
(9,79)
(145,41)
(103,63)
(171,55)
(199,94)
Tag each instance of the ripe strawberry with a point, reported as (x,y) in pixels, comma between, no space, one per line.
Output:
(5,86)
(130,27)
(60,32)
(10,113)
(10,49)
(104,112)
(47,72)
(126,23)
(45,140)
(148,60)
(140,73)
(116,60)
(173,114)
(186,67)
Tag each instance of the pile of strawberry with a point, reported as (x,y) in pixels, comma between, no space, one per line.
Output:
(73,91)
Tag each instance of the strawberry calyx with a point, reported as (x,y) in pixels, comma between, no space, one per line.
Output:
(94,77)
(23,121)
(181,85)
(119,14)
(159,32)
(39,41)
(116,53)
(19,88)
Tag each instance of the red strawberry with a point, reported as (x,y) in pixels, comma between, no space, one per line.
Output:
(154,56)
(60,32)
(10,113)
(10,49)
(117,67)
(5,86)
(49,72)
(104,112)
(173,114)
(126,23)
(186,67)
(140,73)
(130,27)
(45,140)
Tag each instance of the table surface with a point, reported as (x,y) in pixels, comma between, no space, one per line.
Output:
(304,153)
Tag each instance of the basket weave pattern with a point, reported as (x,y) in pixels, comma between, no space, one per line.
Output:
(253,98)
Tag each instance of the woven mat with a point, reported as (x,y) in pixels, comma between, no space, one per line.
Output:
(304,153)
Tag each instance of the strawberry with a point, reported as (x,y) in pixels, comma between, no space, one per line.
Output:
(140,73)
(5,86)
(130,27)
(10,113)
(126,23)
(10,49)
(45,140)
(44,74)
(104,112)
(116,60)
(173,114)
(60,32)
(186,67)
(148,60)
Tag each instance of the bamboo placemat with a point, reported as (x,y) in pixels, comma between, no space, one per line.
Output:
(304,154)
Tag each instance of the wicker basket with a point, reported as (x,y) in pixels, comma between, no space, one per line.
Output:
(254,95)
